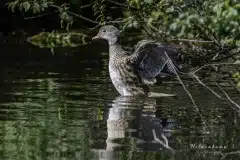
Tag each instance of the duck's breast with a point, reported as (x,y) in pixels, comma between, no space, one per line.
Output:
(124,78)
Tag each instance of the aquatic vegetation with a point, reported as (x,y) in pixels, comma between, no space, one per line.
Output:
(54,39)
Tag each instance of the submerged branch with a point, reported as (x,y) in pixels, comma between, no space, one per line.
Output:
(184,87)
(178,77)
(165,145)
(204,85)
(224,155)
(230,100)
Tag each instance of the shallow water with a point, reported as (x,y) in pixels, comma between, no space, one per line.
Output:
(57,107)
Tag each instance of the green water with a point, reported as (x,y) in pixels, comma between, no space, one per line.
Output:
(62,108)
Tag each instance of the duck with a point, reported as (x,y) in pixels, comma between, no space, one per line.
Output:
(133,73)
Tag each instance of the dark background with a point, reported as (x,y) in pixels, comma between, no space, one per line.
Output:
(15,50)
(16,22)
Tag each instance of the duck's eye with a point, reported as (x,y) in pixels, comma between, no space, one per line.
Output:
(104,30)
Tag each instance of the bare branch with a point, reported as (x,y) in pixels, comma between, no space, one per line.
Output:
(213,64)
(204,85)
(224,155)
(120,4)
(85,6)
(189,94)
(230,100)
(82,17)
(191,40)
(74,14)
(184,87)
(37,16)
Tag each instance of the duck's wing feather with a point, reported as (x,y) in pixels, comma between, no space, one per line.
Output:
(150,59)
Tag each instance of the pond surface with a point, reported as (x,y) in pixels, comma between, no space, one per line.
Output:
(66,108)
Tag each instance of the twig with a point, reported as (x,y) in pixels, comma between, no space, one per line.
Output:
(74,14)
(230,100)
(82,17)
(144,27)
(213,64)
(224,155)
(209,35)
(191,40)
(117,21)
(93,28)
(161,142)
(85,6)
(121,4)
(213,38)
(37,16)
(204,85)
(223,50)
(224,57)
(184,87)
(157,30)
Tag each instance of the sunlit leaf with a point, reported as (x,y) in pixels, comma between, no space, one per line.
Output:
(26,6)
(36,7)
(13,5)
(148,1)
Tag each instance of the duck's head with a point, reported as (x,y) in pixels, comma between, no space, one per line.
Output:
(109,33)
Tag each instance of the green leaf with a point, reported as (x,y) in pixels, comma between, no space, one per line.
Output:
(13,5)
(36,7)
(238,43)
(26,6)
(149,1)
(45,4)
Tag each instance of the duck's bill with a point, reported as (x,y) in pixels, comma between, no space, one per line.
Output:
(96,37)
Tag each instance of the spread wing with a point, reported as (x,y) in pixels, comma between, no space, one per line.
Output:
(151,59)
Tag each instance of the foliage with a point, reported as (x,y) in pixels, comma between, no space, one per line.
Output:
(209,29)
(27,6)
(54,40)
(38,6)
(99,9)
(236,76)
(214,21)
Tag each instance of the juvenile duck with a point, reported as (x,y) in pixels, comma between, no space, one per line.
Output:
(132,73)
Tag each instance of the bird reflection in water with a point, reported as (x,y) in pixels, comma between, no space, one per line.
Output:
(134,118)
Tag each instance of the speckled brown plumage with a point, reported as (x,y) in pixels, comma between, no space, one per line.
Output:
(130,74)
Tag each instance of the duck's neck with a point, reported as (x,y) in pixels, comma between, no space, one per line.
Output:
(116,50)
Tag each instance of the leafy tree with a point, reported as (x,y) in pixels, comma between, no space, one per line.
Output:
(207,29)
